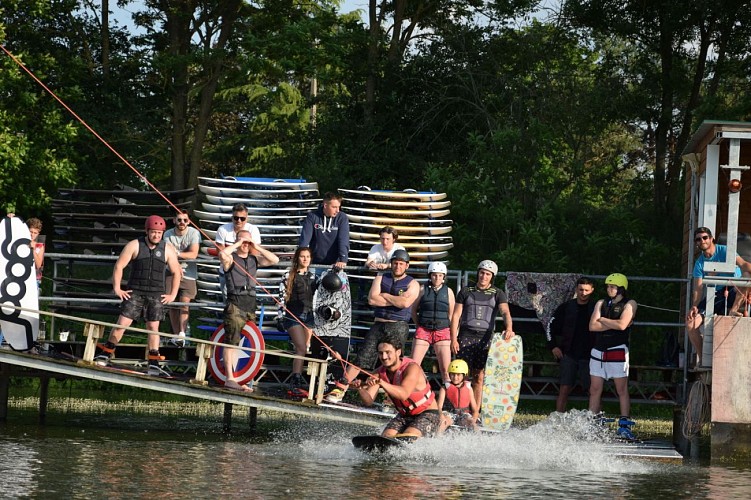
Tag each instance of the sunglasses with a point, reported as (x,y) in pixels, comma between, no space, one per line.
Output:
(699,239)
(239,218)
(185,221)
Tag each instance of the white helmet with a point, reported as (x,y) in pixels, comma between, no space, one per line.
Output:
(488,265)
(437,267)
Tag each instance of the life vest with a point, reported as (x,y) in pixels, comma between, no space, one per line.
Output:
(301,295)
(479,310)
(388,285)
(458,398)
(612,338)
(434,308)
(238,281)
(148,269)
(418,401)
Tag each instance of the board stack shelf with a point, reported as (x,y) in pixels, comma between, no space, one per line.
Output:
(421,219)
(276,207)
(100,222)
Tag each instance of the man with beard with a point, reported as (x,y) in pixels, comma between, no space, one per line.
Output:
(240,261)
(148,257)
(391,296)
(723,303)
(405,384)
(473,322)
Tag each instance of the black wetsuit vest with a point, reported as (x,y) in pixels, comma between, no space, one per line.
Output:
(238,281)
(479,310)
(612,338)
(434,308)
(148,269)
(301,296)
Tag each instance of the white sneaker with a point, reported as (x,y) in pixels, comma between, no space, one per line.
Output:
(178,341)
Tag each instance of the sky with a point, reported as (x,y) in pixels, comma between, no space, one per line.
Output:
(123,16)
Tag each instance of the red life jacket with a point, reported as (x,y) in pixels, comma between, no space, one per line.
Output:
(459,397)
(418,401)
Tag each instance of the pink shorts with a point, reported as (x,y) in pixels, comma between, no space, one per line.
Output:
(432,336)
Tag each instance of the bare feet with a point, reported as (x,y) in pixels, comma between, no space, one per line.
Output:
(232,384)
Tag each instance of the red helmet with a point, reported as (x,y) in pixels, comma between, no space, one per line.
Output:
(155,223)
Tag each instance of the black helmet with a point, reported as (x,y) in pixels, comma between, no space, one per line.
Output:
(400,255)
(332,282)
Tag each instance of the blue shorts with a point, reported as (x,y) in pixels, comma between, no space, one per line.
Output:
(306,318)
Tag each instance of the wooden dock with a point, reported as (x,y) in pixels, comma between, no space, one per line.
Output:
(58,367)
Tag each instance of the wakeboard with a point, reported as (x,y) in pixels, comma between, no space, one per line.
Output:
(381,444)
(332,310)
(18,285)
(503,380)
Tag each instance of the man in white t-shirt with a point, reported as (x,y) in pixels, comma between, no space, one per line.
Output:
(379,257)
(227,233)
(186,240)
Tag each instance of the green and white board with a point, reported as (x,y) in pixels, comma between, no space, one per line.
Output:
(503,380)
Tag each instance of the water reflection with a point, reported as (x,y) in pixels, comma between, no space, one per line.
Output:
(557,458)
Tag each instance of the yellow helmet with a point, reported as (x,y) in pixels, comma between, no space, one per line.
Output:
(459,366)
(617,279)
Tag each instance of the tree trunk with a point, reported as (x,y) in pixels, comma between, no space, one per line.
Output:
(230,9)
(105,39)
(664,119)
(374,29)
(179,33)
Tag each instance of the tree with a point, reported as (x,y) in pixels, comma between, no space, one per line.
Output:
(670,43)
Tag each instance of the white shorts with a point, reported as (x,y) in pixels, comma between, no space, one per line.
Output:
(609,364)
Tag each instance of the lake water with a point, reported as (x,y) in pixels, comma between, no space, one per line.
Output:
(97,456)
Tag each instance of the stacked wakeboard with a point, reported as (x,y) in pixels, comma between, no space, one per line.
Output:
(101,222)
(421,219)
(276,207)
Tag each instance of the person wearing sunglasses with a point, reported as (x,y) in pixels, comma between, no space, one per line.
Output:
(186,240)
(227,233)
(240,262)
(726,300)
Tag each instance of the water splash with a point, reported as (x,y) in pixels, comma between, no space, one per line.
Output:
(563,442)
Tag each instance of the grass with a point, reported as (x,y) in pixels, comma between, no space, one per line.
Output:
(654,421)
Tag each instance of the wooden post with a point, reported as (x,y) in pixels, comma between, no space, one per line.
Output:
(4,385)
(252,418)
(92,332)
(203,353)
(44,386)
(227,422)
(317,371)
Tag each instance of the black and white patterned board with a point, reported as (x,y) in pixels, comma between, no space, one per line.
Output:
(18,286)
(341,301)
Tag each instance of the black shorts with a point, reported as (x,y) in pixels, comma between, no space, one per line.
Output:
(426,422)
(150,308)
(473,348)
(570,368)
(720,304)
